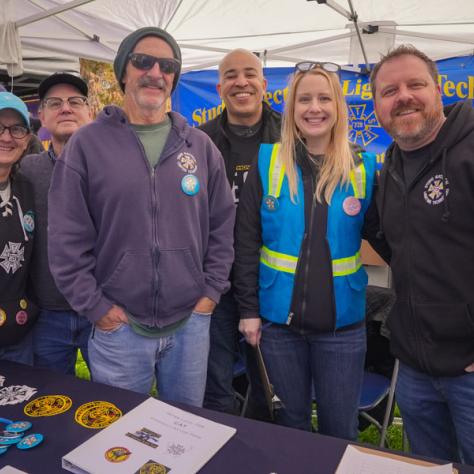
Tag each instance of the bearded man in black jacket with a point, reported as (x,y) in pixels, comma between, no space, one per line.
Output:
(426,207)
(246,122)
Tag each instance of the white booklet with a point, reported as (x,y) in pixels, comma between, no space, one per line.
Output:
(153,437)
(358,460)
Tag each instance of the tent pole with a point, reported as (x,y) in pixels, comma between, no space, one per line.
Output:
(53,11)
(356,26)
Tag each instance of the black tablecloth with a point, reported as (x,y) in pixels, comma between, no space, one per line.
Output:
(256,448)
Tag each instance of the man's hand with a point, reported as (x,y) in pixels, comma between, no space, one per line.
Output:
(470,368)
(205,305)
(252,330)
(113,318)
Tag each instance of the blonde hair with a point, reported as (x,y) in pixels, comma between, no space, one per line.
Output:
(338,161)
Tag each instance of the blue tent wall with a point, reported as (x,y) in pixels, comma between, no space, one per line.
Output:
(197,99)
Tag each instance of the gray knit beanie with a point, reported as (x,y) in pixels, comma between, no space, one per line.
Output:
(127,45)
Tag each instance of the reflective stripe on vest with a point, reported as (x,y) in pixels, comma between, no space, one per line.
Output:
(358,180)
(276,173)
(278,261)
(347,265)
(287,263)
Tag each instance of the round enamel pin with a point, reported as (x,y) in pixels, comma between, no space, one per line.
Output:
(97,414)
(117,454)
(29,221)
(18,426)
(190,185)
(21,317)
(13,438)
(48,405)
(351,206)
(23,304)
(30,441)
(3,449)
(3,317)
(270,202)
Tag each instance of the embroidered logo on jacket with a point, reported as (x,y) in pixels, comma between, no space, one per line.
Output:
(435,191)
(12,256)
(187,162)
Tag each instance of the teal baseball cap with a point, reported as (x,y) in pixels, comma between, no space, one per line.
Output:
(11,101)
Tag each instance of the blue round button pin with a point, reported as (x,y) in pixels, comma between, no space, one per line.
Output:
(7,441)
(270,202)
(3,449)
(30,441)
(190,185)
(6,421)
(18,426)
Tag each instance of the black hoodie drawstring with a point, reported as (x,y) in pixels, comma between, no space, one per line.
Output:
(446,213)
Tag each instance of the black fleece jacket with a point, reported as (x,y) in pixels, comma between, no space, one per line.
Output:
(429,227)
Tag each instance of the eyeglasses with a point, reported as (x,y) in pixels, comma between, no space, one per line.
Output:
(16,131)
(56,103)
(306,66)
(145,62)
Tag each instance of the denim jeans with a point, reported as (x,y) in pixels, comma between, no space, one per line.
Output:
(224,335)
(21,352)
(56,337)
(124,359)
(438,414)
(225,346)
(334,362)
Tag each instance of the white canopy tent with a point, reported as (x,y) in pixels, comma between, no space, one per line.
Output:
(41,36)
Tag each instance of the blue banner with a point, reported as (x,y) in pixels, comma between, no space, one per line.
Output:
(197,99)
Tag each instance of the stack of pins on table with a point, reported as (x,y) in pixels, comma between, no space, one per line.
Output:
(14,434)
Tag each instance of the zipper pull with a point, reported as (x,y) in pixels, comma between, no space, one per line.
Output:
(290,317)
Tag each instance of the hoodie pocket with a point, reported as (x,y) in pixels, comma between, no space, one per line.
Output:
(180,281)
(447,334)
(130,284)
(446,322)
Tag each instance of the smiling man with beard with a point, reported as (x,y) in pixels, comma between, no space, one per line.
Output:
(141,230)
(426,207)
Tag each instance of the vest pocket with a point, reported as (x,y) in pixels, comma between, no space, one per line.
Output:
(358,280)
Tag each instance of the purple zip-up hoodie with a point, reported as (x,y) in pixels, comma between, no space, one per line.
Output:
(121,232)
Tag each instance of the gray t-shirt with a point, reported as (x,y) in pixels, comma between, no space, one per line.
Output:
(153,138)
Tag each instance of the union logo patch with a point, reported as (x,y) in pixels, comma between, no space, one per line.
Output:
(97,414)
(117,454)
(187,162)
(434,191)
(48,405)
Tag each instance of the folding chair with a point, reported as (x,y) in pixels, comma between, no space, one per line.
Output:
(375,388)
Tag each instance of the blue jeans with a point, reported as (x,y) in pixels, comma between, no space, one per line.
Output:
(334,362)
(438,414)
(124,359)
(21,352)
(224,333)
(56,337)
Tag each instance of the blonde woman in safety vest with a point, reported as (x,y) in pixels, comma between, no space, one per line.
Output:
(298,266)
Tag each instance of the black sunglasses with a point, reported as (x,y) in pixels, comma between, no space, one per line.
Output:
(306,66)
(145,62)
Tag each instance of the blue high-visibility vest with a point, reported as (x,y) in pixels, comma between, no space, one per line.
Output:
(283,226)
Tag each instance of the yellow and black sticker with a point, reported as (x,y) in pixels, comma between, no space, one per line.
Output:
(117,454)
(153,467)
(97,414)
(48,405)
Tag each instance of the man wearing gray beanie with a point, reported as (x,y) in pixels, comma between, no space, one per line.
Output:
(141,229)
